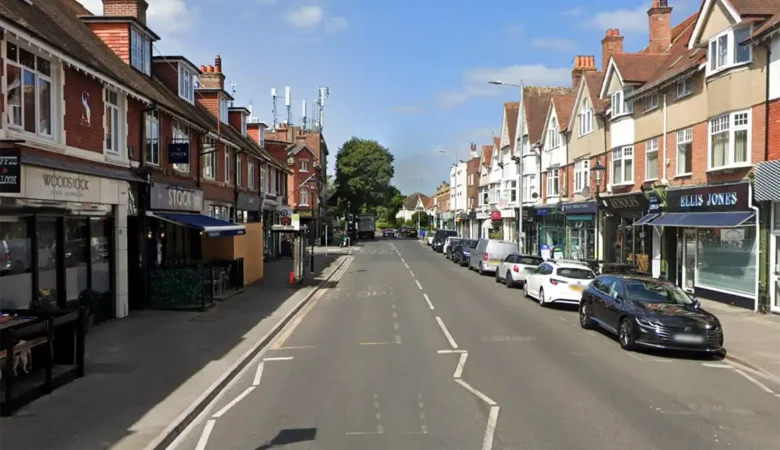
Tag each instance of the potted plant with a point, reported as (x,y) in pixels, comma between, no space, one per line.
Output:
(88,300)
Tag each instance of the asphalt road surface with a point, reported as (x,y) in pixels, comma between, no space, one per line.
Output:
(409,351)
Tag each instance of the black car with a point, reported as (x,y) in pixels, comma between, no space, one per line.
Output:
(649,312)
(462,250)
(440,237)
(402,231)
(411,233)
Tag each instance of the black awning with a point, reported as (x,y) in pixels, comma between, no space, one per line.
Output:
(646,220)
(703,219)
(209,225)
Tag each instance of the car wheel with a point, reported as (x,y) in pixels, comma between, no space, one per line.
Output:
(626,334)
(481,272)
(508,280)
(498,280)
(525,290)
(542,303)
(585,320)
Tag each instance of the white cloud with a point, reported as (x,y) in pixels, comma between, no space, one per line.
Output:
(164,16)
(336,25)
(266,2)
(450,99)
(305,16)
(574,12)
(556,44)
(407,109)
(626,20)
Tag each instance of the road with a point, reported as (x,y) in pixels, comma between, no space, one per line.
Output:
(409,351)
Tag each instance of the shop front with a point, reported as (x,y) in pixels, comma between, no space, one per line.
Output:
(552,231)
(580,226)
(484,225)
(272,208)
(248,207)
(628,239)
(509,223)
(766,193)
(473,225)
(715,235)
(530,231)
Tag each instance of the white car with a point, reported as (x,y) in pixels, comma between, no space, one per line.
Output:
(558,282)
(429,239)
(449,242)
(514,269)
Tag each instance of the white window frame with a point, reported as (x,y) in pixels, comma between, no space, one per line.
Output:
(39,76)
(181,133)
(530,187)
(622,155)
(651,148)
(304,200)
(734,122)
(620,106)
(140,51)
(251,173)
(651,102)
(210,159)
(239,176)
(112,139)
(585,119)
(553,183)
(581,174)
(684,88)
(684,137)
(304,165)
(153,152)
(186,83)
(719,59)
(227,165)
(264,178)
(553,135)
(223,109)
(243,124)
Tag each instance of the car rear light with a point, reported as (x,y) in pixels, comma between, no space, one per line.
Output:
(555,282)
(516,269)
(485,257)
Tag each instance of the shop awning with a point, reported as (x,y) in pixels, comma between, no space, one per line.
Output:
(209,225)
(646,220)
(703,219)
(766,181)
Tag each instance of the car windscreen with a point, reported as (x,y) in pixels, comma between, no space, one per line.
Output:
(471,243)
(576,274)
(651,292)
(530,261)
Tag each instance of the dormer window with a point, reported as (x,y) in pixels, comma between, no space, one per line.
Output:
(553,136)
(585,119)
(140,51)
(186,84)
(725,50)
(621,106)
(223,109)
(243,124)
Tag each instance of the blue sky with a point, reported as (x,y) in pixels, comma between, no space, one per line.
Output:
(410,74)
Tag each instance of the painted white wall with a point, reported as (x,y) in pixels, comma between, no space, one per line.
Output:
(774,69)
(461,200)
(621,132)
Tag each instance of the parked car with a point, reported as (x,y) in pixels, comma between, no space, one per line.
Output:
(430,237)
(649,312)
(558,282)
(411,233)
(448,243)
(388,233)
(460,253)
(489,253)
(440,237)
(515,268)
(402,231)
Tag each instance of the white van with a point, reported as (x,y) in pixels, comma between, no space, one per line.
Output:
(489,254)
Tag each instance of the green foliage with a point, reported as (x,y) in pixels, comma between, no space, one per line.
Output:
(424,219)
(364,169)
(496,234)
(382,225)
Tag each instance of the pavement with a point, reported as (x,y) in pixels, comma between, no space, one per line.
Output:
(405,350)
(143,372)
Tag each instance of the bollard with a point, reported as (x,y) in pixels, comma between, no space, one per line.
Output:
(292,278)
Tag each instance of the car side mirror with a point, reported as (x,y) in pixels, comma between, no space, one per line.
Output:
(696,302)
(616,296)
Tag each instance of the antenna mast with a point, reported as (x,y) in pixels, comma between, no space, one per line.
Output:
(232,92)
(304,114)
(324,93)
(273,111)
(288,104)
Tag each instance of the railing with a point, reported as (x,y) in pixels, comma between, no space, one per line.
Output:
(228,276)
(181,286)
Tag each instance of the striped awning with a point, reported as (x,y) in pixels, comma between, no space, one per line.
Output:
(766,181)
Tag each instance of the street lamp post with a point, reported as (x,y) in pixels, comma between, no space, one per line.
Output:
(417,205)
(314,186)
(518,158)
(598,172)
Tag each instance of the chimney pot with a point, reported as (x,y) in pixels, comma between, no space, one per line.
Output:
(203,68)
(218,64)
(125,8)
(612,44)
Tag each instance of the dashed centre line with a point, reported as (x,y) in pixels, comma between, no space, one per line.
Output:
(418,284)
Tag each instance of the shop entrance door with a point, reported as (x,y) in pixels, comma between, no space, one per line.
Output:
(689,260)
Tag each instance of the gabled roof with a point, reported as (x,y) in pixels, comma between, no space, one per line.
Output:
(410,202)
(537,104)
(296,148)
(588,88)
(563,104)
(510,112)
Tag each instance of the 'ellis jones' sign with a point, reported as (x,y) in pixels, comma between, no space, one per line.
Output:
(727,197)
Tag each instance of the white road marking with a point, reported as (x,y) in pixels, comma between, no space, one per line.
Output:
(412,273)
(461,363)
(363,433)
(490,431)
(418,284)
(393,305)
(592,333)
(482,396)
(561,318)
(204,436)
(396,326)
(634,356)
(233,403)
(378,343)
(395,315)
(754,381)
(295,347)
(278,358)
(428,301)
(446,333)
(397,339)
(717,365)
(452,351)
(258,373)
(407,265)
(661,360)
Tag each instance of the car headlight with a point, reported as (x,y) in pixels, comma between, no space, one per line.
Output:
(648,323)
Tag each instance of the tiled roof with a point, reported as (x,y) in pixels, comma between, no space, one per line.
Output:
(487,149)
(756,7)
(537,103)
(593,82)
(410,203)
(563,105)
(511,109)
(428,202)
(488,155)
(637,67)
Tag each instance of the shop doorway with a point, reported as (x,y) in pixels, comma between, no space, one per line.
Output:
(689,260)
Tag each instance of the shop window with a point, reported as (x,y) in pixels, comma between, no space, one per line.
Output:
(623,165)
(152,138)
(100,254)
(181,134)
(651,159)
(46,233)
(729,140)
(684,151)
(726,260)
(16,255)
(77,254)
(29,91)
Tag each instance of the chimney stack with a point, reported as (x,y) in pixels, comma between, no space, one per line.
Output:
(212,76)
(612,44)
(582,64)
(473,152)
(126,8)
(660,17)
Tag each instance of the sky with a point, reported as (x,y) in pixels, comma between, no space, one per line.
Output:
(412,75)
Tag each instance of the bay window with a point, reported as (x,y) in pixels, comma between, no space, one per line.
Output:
(684,151)
(210,159)
(530,187)
(152,138)
(726,51)
(623,165)
(729,140)
(651,159)
(29,91)
(186,84)
(581,174)
(251,174)
(621,106)
(181,135)
(586,119)
(140,51)
(553,180)
(111,122)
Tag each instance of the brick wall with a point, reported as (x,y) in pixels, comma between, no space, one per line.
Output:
(165,167)
(774,130)
(136,122)
(213,191)
(82,132)
(116,36)
(234,118)
(168,74)
(472,191)
(208,100)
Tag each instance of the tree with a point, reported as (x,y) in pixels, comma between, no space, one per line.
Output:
(423,219)
(364,169)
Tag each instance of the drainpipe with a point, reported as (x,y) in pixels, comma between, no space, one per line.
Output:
(664,163)
(766,100)
(758,250)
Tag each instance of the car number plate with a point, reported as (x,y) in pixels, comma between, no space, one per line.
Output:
(689,339)
(495,262)
(576,288)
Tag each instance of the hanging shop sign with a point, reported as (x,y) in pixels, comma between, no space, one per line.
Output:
(304,213)
(248,202)
(482,215)
(179,153)
(168,197)
(495,215)
(10,170)
(717,198)
(580,208)
(636,201)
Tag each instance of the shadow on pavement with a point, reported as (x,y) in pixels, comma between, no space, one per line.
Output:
(290,436)
(137,367)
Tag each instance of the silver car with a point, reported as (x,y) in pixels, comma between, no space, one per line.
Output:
(515,268)
(489,253)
